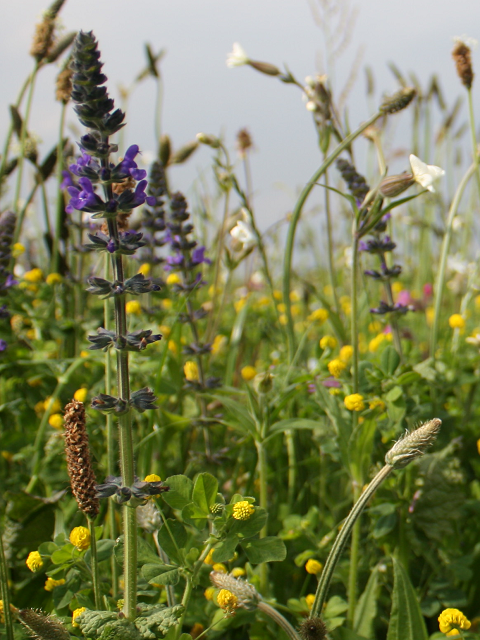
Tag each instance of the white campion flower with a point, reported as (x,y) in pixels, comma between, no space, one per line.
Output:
(238,57)
(425,174)
(243,233)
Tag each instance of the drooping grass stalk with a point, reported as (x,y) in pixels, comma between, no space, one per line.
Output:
(94,563)
(21,159)
(440,282)
(297,211)
(4,590)
(282,622)
(55,262)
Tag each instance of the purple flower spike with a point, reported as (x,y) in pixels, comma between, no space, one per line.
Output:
(198,256)
(67,180)
(86,199)
(128,166)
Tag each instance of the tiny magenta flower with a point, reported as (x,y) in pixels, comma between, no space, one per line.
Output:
(313,566)
(451,620)
(34,561)
(190,369)
(248,373)
(75,615)
(227,600)
(336,367)
(425,174)
(243,510)
(328,342)
(354,402)
(456,321)
(80,538)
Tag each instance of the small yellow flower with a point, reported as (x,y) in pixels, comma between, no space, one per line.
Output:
(80,538)
(75,615)
(295,296)
(56,420)
(296,310)
(376,403)
(173,278)
(374,344)
(133,307)
(334,392)
(451,620)
(430,315)
(13,609)
(265,301)
(35,275)
(80,395)
(145,269)
(346,352)
(397,287)
(50,584)
(166,331)
(248,373)
(209,593)
(375,326)
(167,304)
(478,446)
(313,566)
(318,315)
(243,510)
(54,278)
(219,342)
(208,557)
(238,572)
(328,342)
(239,304)
(282,318)
(282,307)
(152,478)
(17,249)
(85,354)
(227,600)
(190,369)
(277,294)
(310,599)
(354,402)
(30,334)
(172,347)
(336,367)
(219,566)
(34,561)
(7,455)
(456,321)
(54,406)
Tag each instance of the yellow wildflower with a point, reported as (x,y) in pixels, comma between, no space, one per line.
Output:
(354,402)
(167,304)
(50,584)
(54,278)
(376,342)
(336,367)
(34,561)
(227,600)
(478,446)
(296,310)
(75,615)
(282,318)
(173,278)
(376,403)
(295,296)
(219,566)
(318,315)
(17,249)
(172,346)
(264,301)
(310,599)
(243,510)
(56,420)
(7,455)
(209,592)
(277,294)
(196,630)
(152,478)
(238,572)
(80,395)
(397,287)
(190,369)
(328,342)
(451,620)
(219,342)
(456,321)
(282,307)
(166,331)
(85,354)
(208,557)
(133,307)
(346,352)
(313,566)
(429,314)
(239,304)
(80,538)
(54,406)
(334,392)
(34,275)
(375,326)
(13,609)
(145,269)
(248,373)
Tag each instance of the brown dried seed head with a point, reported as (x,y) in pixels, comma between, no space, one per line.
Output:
(244,141)
(82,477)
(64,85)
(313,629)
(463,62)
(43,626)
(43,38)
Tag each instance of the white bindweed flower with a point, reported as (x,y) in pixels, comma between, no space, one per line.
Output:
(238,57)
(243,232)
(425,174)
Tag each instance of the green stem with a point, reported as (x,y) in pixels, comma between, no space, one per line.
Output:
(21,159)
(341,540)
(354,310)
(5,593)
(8,138)
(471,119)
(59,213)
(331,261)
(158,110)
(353,570)
(262,478)
(94,562)
(297,211)
(440,283)
(282,622)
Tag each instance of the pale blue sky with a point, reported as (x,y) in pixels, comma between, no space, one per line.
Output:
(202,94)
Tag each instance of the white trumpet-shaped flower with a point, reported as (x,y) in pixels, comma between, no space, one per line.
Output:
(238,57)
(425,174)
(243,233)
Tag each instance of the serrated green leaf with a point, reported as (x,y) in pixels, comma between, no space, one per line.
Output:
(366,609)
(269,549)
(390,360)
(406,620)
(205,492)
(180,493)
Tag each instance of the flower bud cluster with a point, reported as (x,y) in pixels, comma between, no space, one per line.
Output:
(140,400)
(140,490)
(153,220)
(356,183)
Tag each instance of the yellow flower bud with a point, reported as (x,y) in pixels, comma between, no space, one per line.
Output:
(336,367)
(35,275)
(133,307)
(80,538)
(53,278)
(318,315)
(328,342)
(145,269)
(218,566)
(227,600)
(456,321)
(191,371)
(248,373)
(354,402)
(56,420)
(75,615)
(346,352)
(173,278)
(34,561)
(80,395)
(152,478)
(243,510)
(313,566)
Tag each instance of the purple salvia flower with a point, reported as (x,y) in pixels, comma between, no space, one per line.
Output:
(128,166)
(85,199)
(198,256)
(67,180)
(174,261)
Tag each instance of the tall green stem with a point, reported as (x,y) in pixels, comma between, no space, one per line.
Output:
(262,478)
(297,211)
(8,137)
(353,570)
(330,253)
(440,283)
(4,590)
(473,134)
(354,309)
(341,540)
(59,213)
(94,563)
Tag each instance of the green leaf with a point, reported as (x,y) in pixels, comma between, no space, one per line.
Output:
(47,548)
(297,423)
(409,377)
(426,370)
(335,607)
(68,553)
(226,549)
(104,551)
(390,360)
(172,538)
(160,574)
(192,514)
(384,525)
(180,493)
(252,526)
(361,446)
(406,620)
(342,633)
(366,609)
(269,549)
(205,492)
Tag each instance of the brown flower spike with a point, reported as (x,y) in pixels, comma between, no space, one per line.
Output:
(82,477)
(463,62)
